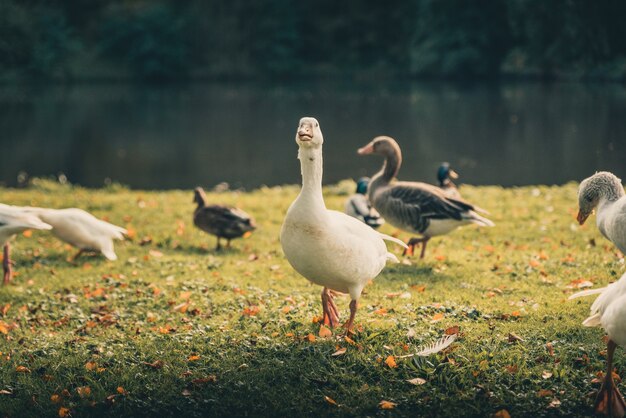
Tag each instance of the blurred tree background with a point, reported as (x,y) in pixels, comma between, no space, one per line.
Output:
(168,39)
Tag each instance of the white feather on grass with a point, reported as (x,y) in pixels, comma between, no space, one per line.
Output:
(437,346)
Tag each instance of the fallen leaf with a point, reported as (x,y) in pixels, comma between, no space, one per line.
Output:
(330,400)
(121,390)
(386,405)
(503,413)
(22,369)
(55,398)
(339,352)
(64,412)
(157,364)
(83,391)
(381,311)
(325,332)
(514,338)
(251,310)
(28,233)
(391,362)
(417,381)
(546,374)
(194,357)
(203,380)
(452,330)
(543,393)
(311,338)
(437,317)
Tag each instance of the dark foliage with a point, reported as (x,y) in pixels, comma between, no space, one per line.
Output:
(166,39)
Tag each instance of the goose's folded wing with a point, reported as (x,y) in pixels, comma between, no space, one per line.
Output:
(417,202)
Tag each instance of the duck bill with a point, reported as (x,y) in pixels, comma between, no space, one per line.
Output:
(582,217)
(368,149)
(453,174)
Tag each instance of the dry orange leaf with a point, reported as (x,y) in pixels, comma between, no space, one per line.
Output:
(543,393)
(452,330)
(251,310)
(90,365)
(157,364)
(28,233)
(387,405)
(55,398)
(4,328)
(182,308)
(381,311)
(391,362)
(325,332)
(64,412)
(311,338)
(5,309)
(437,317)
(503,413)
(83,391)
(330,400)
(185,295)
(121,390)
(339,352)
(22,369)
(194,357)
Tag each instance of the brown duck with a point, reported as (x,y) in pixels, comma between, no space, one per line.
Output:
(221,221)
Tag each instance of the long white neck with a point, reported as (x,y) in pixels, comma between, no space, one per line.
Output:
(311,167)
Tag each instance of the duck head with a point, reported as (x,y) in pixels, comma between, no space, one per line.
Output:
(309,134)
(445,173)
(361,185)
(198,196)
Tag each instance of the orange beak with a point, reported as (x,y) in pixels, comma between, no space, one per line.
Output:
(582,217)
(368,149)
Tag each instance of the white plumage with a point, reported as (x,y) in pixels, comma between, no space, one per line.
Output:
(327,247)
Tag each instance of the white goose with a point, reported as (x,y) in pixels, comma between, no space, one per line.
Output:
(81,230)
(609,312)
(329,248)
(14,220)
(604,191)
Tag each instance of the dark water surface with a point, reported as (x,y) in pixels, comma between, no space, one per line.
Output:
(180,136)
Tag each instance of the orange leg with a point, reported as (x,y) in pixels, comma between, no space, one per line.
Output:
(609,400)
(350,324)
(413,242)
(331,314)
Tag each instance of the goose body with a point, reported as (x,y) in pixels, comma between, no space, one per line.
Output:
(14,220)
(328,248)
(604,191)
(221,221)
(609,312)
(415,207)
(81,230)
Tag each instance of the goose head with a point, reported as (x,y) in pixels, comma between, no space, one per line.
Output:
(309,134)
(592,189)
(445,173)
(383,145)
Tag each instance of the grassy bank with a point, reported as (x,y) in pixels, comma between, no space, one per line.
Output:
(174,327)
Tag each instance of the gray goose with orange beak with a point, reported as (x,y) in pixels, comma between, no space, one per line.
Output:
(604,191)
(418,208)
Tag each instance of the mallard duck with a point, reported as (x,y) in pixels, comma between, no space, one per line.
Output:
(81,229)
(445,174)
(14,220)
(415,207)
(609,312)
(329,248)
(604,191)
(358,206)
(221,221)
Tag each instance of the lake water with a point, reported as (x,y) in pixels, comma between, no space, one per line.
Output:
(180,136)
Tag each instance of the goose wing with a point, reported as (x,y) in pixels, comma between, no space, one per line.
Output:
(418,203)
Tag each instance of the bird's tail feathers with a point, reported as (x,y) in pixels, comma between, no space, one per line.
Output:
(480,220)
(587,292)
(392,239)
(593,321)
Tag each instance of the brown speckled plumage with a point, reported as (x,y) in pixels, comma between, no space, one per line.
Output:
(221,221)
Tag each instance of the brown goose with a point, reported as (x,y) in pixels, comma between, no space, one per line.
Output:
(419,208)
(221,221)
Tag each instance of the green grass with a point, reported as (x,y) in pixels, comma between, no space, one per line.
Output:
(99,324)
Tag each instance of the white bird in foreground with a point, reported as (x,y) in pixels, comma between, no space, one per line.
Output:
(609,312)
(81,230)
(327,247)
(14,220)
(604,191)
